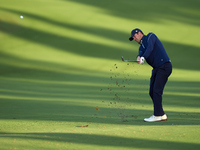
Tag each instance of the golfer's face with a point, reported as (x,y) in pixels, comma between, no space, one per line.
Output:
(137,37)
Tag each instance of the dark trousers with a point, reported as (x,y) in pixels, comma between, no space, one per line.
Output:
(158,80)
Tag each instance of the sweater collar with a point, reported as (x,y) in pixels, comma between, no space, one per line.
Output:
(142,39)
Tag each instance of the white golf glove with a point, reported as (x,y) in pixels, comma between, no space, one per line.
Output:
(142,60)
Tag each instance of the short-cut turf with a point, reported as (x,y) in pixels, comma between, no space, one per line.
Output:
(64,86)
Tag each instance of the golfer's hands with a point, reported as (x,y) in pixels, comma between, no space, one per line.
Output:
(140,60)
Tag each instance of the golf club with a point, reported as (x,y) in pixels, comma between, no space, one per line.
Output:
(128,60)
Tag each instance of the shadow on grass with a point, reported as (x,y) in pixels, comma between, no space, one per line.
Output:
(161,9)
(45,94)
(31,94)
(48,92)
(88,48)
(102,140)
(43,90)
(74,110)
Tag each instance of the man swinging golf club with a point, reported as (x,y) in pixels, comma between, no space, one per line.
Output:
(152,50)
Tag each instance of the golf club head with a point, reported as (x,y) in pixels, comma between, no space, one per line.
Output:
(122,58)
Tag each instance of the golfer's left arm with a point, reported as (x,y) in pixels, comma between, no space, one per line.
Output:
(151,41)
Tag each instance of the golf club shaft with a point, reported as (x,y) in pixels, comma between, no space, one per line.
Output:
(128,60)
(131,61)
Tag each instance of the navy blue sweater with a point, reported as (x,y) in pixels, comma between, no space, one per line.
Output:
(153,51)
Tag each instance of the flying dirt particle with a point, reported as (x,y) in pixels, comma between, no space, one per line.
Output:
(124,120)
(116,67)
(101,90)
(134,116)
(128,64)
(110,102)
(115,64)
(83,126)
(97,108)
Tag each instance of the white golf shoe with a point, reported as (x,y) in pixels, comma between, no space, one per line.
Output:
(164,117)
(156,118)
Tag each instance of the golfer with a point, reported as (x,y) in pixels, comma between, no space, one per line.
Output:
(152,50)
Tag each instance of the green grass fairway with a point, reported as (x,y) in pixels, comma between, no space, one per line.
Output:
(63,85)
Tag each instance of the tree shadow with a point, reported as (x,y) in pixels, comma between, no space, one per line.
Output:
(61,96)
(88,48)
(102,140)
(162,10)
(63,43)
(54,95)
(97,50)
